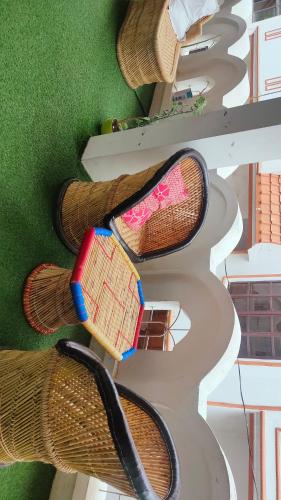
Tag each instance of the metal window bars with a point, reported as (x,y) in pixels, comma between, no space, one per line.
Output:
(167,330)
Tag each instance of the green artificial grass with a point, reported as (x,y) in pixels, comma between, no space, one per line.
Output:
(59,79)
(26,481)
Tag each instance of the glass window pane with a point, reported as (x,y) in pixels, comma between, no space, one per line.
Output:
(260,324)
(276,303)
(243,353)
(260,347)
(277,323)
(277,345)
(260,304)
(239,288)
(243,323)
(260,288)
(276,288)
(240,303)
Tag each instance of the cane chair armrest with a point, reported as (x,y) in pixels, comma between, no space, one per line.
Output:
(110,394)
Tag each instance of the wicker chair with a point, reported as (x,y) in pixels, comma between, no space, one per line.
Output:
(148,50)
(83,204)
(60,406)
(103,293)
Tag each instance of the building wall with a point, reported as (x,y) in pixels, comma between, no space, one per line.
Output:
(239,182)
(269,49)
(174,382)
(254,376)
(242,8)
(229,428)
(262,262)
(260,383)
(260,388)
(267,67)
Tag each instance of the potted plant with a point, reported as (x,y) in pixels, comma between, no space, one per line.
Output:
(178,108)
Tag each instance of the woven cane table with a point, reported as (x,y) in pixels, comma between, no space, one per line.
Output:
(103,293)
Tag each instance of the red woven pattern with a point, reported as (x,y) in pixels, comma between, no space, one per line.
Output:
(110,292)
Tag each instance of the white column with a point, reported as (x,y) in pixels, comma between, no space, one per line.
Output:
(226,137)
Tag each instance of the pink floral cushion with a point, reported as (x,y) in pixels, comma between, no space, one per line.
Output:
(167,193)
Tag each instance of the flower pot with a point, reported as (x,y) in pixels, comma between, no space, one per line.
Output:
(110,125)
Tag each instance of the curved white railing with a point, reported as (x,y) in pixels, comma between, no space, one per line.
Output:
(179,382)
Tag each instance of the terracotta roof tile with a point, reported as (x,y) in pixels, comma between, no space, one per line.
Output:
(268,208)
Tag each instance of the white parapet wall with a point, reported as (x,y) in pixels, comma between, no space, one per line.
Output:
(80,487)
(178,383)
(260,381)
(237,136)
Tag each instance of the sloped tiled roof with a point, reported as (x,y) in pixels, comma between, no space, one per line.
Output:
(268,208)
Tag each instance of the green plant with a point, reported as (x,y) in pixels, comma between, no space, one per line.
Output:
(177,109)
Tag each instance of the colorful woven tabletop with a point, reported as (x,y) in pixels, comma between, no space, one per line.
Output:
(107,293)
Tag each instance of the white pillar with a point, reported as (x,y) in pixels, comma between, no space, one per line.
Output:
(226,137)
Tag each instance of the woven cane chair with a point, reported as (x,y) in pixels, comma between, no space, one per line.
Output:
(103,293)
(84,204)
(148,50)
(60,406)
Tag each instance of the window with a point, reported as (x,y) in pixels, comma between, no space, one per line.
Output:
(258,305)
(164,324)
(272,84)
(271,35)
(263,9)
(154,330)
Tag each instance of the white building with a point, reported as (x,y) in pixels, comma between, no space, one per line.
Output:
(255,269)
